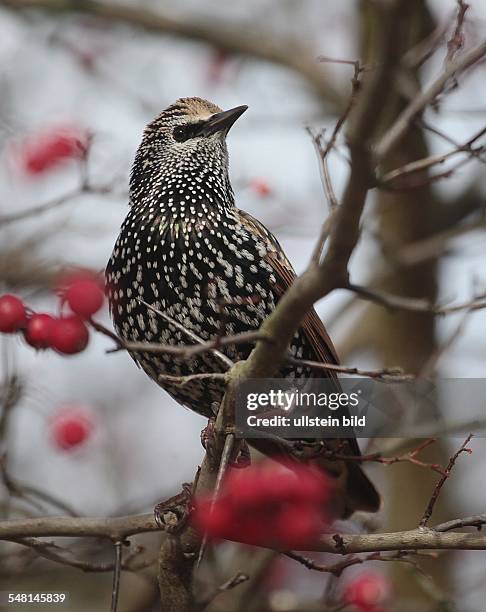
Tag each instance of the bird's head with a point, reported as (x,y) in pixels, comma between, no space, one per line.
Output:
(187,136)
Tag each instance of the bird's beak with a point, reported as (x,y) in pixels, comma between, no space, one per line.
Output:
(222,121)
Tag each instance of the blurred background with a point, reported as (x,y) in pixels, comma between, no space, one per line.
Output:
(102,72)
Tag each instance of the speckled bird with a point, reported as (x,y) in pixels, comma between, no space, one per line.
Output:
(186,250)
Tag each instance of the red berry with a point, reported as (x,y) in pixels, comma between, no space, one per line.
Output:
(84,296)
(69,335)
(261,188)
(43,151)
(268,504)
(367,592)
(71,427)
(38,330)
(217,63)
(297,527)
(12,314)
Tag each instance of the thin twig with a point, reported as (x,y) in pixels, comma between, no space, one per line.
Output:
(396,302)
(409,457)
(435,495)
(116,576)
(184,380)
(183,351)
(456,42)
(337,568)
(477,521)
(223,466)
(416,106)
(396,374)
(425,163)
(238,579)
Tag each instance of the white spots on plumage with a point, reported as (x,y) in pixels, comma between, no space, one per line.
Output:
(185,249)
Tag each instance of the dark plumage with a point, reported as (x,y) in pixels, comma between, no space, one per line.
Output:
(185,249)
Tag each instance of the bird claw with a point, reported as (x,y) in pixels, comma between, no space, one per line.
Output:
(172,514)
(241,458)
(208,434)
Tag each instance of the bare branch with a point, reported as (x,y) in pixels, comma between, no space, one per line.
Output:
(390,179)
(337,568)
(396,302)
(477,521)
(404,120)
(116,576)
(122,527)
(396,374)
(83,189)
(58,554)
(435,495)
(256,42)
(185,352)
(238,579)
(456,42)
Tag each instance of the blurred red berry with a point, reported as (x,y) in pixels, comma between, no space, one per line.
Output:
(268,504)
(261,188)
(71,426)
(69,335)
(217,63)
(13,316)
(41,152)
(38,330)
(368,592)
(299,523)
(84,295)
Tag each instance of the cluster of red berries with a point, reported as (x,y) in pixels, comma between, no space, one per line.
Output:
(368,592)
(268,505)
(46,150)
(68,333)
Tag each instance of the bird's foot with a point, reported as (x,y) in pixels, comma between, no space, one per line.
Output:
(241,457)
(172,514)
(208,435)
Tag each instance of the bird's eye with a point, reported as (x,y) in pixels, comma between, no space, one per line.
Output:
(179,134)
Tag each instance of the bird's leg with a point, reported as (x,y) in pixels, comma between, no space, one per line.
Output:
(208,436)
(173,513)
(243,458)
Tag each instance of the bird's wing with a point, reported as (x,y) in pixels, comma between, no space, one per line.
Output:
(312,326)
(359,491)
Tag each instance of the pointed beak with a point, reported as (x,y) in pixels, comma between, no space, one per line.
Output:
(222,121)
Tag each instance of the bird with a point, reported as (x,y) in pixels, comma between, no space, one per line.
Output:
(187,252)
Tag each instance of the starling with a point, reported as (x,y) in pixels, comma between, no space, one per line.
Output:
(185,249)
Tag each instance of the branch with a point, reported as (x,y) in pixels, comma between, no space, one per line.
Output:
(186,352)
(395,374)
(397,302)
(238,579)
(318,280)
(83,189)
(457,39)
(252,41)
(438,488)
(58,554)
(406,117)
(337,568)
(122,527)
(390,179)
